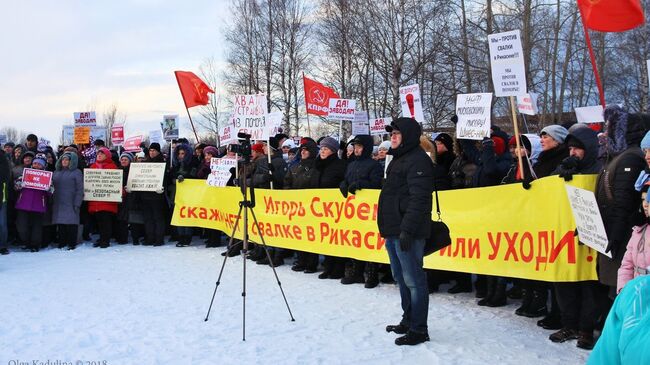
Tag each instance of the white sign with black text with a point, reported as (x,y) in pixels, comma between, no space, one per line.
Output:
(507,61)
(591,230)
(473,111)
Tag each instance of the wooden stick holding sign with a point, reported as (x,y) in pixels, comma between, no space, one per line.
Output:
(520,161)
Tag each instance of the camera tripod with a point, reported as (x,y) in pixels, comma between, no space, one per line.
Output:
(245,205)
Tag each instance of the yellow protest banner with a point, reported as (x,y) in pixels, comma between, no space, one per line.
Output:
(81,135)
(502,230)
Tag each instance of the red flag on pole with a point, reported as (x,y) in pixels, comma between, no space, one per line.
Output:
(611,15)
(193,89)
(317,97)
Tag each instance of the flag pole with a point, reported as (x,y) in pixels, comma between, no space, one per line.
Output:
(516,129)
(592,57)
(186,109)
(304,89)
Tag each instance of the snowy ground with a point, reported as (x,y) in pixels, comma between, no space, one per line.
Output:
(146,305)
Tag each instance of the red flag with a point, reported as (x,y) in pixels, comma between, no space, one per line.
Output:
(193,89)
(317,97)
(611,15)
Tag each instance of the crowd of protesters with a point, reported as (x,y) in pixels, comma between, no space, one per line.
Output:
(619,154)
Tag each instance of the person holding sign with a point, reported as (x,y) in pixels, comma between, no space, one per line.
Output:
(183,166)
(68,182)
(577,301)
(32,206)
(154,205)
(104,212)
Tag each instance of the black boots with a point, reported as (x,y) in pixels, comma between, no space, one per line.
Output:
(4,251)
(585,340)
(372,275)
(412,338)
(400,329)
(563,335)
(353,273)
(527,297)
(184,241)
(496,292)
(537,307)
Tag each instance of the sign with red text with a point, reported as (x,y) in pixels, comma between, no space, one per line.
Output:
(132,144)
(473,111)
(378,126)
(37,179)
(507,61)
(341,109)
(220,171)
(84,119)
(227,135)
(527,104)
(117,134)
(411,102)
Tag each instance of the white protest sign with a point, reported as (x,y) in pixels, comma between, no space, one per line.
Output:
(360,122)
(156,136)
(249,116)
(591,230)
(507,61)
(527,104)
(473,112)
(274,123)
(341,109)
(411,102)
(389,158)
(590,114)
(220,171)
(146,176)
(378,126)
(103,185)
(68,134)
(170,127)
(227,135)
(85,119)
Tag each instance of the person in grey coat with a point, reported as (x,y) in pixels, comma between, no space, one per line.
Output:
(69,192)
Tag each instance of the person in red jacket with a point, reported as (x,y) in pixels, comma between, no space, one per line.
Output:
(104,212)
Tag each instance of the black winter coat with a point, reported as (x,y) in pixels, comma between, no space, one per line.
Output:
(363,171)
(302,176)
(549,160)
(406,198)
(331,171)
(490,168)
(279,169)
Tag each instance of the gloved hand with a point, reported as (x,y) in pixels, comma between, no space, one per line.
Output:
(344,189)
(569,167)
(612,247)
(454,119)
(160,191)
(525,184)
(180,178)
(405,241)
(352,189)
(51,189)
(487,142)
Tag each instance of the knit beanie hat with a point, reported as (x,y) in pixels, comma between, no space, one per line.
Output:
(645,142)
(211,150)
(258,147)
(330,143)
(127,155)
(384,145)
(446,140)
(105,151)
(557,132)
(155,146)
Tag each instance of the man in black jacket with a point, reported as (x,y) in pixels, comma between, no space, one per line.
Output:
(404,220)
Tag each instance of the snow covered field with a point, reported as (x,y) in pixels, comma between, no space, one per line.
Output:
(146,305)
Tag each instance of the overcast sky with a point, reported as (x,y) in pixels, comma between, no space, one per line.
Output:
(59,57)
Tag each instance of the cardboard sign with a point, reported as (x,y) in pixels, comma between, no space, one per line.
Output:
(411,102)
(81,135)
(146,176)
(84,119)
(37,179)
(103,185)
(220,171)
(507,61)
(473,112)
(132,144)
(156,136)
(378,126)
(591,230)
(170,127)
(117,135)
(527,104)
(360,123)
(590,114)
(341,109)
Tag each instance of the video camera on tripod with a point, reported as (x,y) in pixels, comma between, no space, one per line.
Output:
(243,148)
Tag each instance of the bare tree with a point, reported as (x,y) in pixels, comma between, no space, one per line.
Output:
(112,116)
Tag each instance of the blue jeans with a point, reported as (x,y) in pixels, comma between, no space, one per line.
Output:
(412,281)
(3,226)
